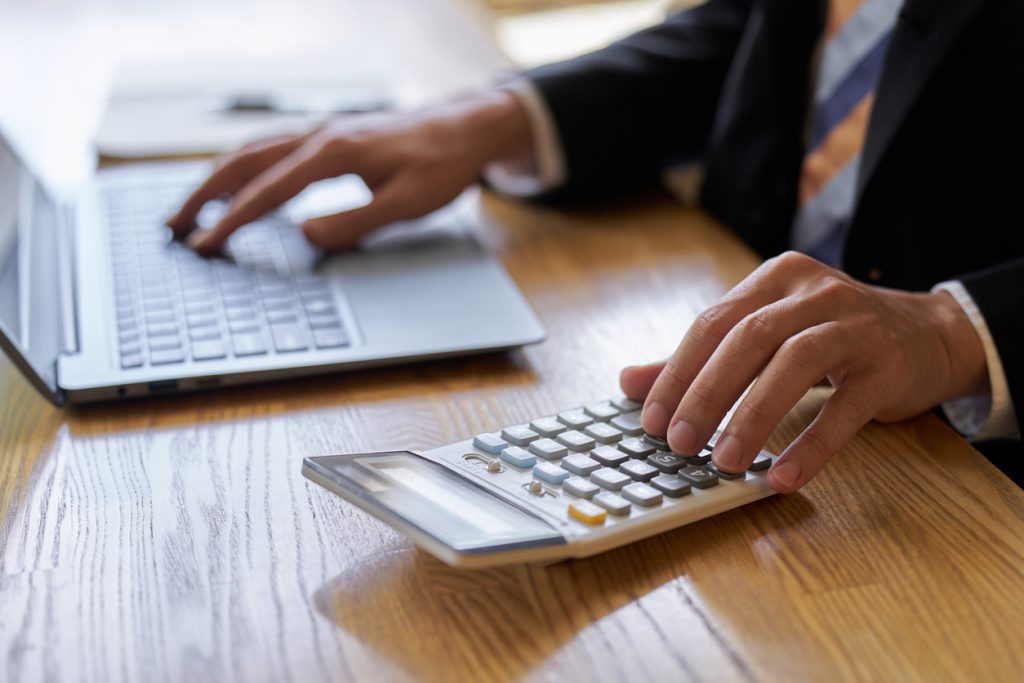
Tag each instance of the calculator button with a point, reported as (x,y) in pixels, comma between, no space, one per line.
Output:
(577,441)
(742,474)
(578,463)
(702,458)
(489,443)
(636,448)
(550,472)
(516,456)
(602,411)
(629,423)
(587,512)
(613,503)
(626,405)
(610,479)
(657,442)
(548,449)
(520,435)
(642,494)
(639,470)
(578,486)
(761,463)
(667,462)
(609,456)
(575,419)
(604,433)
(548,426)
(671,486)
(700,477)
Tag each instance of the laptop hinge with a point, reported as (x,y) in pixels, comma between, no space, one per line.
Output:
(67,275)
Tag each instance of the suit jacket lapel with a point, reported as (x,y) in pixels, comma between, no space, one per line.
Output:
(924,32)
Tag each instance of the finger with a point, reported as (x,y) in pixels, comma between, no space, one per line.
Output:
(842,416)
(742,355)
(768,283)
(229,176)
(798,364)
(636,380)
(344,230)
(267,191)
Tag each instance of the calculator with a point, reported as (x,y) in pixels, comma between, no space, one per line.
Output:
(572,484)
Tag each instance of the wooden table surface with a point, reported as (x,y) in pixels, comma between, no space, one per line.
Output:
(176,539)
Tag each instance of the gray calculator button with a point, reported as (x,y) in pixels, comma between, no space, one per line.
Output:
(613,503)
(609,456)
(642,494)
(602,411)
(761,463)
(519,435)
(548,426)
(613,480)
(658,442)
(575,419)
(578,486)
(577,441)
(667,462)
(742,474)
(636,448)
(626,405)
(514,455)
(639,470)
(578,463)
(628,423)
(700,477)
(489,443)
(604,433)
(671,486)
(548,449)
(702,458)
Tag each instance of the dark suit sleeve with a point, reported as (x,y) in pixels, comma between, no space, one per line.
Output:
(999,295)
(626,112)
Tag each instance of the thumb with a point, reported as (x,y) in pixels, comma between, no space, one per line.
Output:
(636,380)
(343,230)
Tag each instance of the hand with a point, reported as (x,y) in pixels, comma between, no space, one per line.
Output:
(889,354)
(414,163)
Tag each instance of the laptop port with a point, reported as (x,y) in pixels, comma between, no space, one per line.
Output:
(163,386)
(208,382)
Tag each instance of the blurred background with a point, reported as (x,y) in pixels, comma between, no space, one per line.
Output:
(138,78)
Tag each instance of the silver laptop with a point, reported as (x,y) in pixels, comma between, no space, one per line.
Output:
(97,302)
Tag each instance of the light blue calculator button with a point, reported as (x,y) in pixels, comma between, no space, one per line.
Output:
(550,472)
(489,443)
(516,456)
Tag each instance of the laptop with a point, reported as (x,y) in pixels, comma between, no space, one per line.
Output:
(97,302)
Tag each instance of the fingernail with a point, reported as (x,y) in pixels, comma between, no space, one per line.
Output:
(728,453)
(786,473)
(683,438)
(654,418)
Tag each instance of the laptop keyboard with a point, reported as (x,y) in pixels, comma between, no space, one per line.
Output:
(174,306)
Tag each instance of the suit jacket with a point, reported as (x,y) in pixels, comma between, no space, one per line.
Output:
(729,82)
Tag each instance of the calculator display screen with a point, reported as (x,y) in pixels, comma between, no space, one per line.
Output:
(443,504)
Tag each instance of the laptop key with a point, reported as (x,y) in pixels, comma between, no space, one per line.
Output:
(131,361)
(330,338)
(164,342)
(204,334)
(243,326)
(288,338)
(285,316)
(208,350)
(324,322)
(167,356)
(248,345)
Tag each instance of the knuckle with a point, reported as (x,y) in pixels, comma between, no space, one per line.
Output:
(673,374)
(713,322)
(757,328)
(790,262)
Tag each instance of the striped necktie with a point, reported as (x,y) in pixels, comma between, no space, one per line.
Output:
(856,39)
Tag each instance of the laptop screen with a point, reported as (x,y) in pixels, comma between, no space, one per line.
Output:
(29,295)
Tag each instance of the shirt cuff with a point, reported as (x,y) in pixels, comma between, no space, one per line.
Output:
(544,169)
(981,418)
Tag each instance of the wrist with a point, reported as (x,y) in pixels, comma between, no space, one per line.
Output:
(963,347)
(490,125)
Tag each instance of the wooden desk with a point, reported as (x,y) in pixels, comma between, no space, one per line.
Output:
(175,539)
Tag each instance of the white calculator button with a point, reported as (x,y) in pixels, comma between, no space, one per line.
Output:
(577,441)
(575,419)
(602,411)
(550,472)
(548,426)
(626,404)
(642,494)
(639,470)
(489,443)
(613,503)
(578,463)
(637,448)
(604,433)
(520,435)
(578,486)
(629,423)
(609,456)
(514,455)
(613,480)
(548,449)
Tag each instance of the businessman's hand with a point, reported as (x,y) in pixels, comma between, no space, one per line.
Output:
(889,354)
(413,162)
